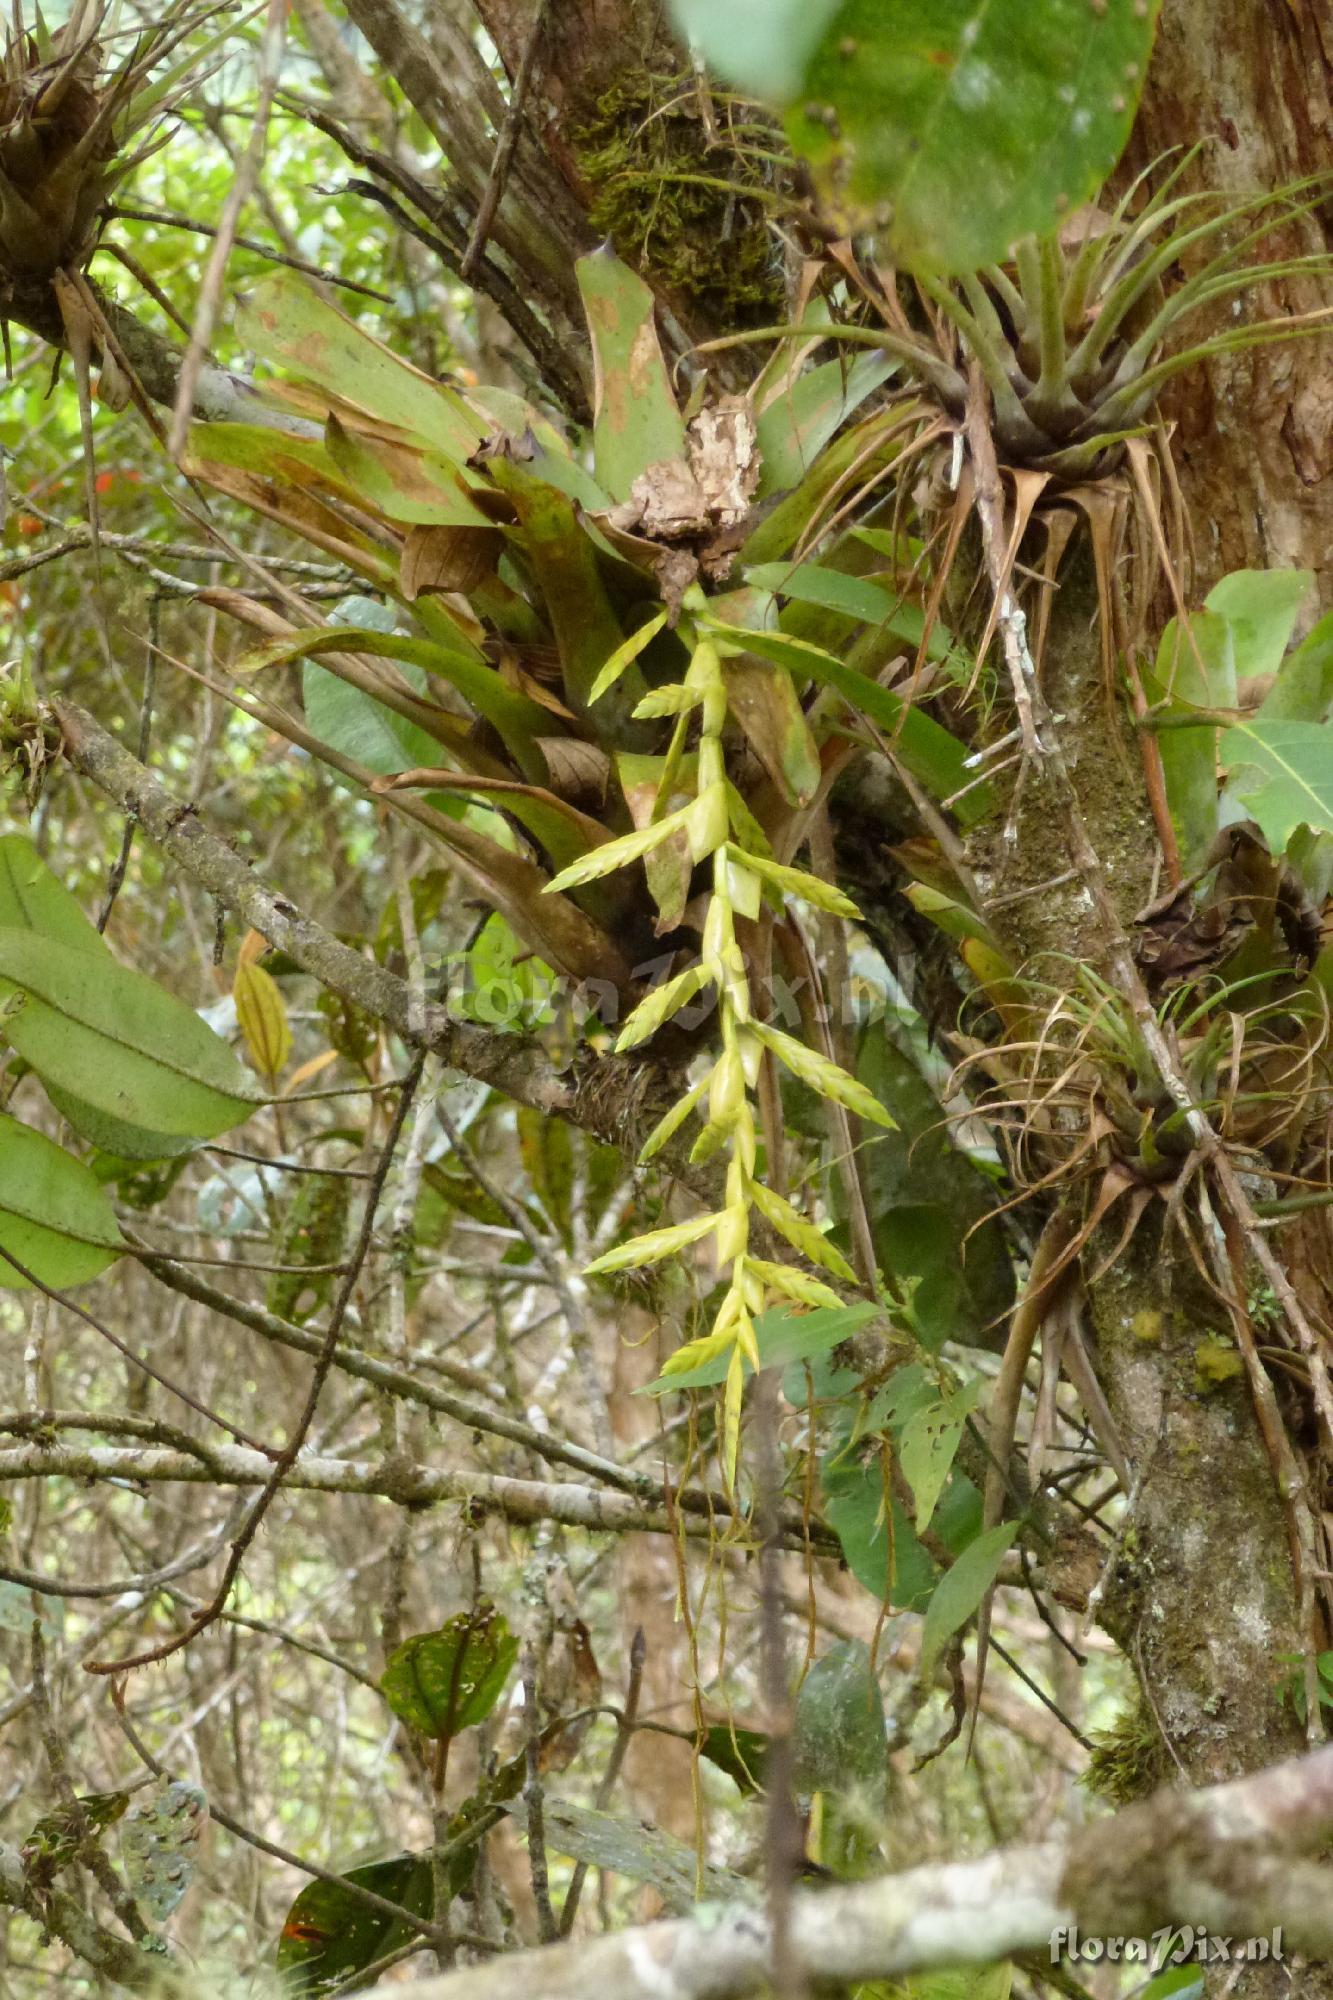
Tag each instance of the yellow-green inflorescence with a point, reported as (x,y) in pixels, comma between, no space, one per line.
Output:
(716,825)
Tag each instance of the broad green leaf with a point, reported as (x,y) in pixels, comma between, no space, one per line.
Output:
(783,1335)
(1289,779)
(445,1681)
(288,323)
(853,1478)
(739,1752)
(635,419)
(931,1208)
(839,1738)
(1260,606)
(928,751)
(114,1039)
(958,126)
(797,424)
(54,1217)
(32,898)
(329,1935)
(763,45)
(928,1444)
(116,1136)
(1195,670)
(961,1589)
(643,1853)
(1303,690)
(405,483)
(354,723)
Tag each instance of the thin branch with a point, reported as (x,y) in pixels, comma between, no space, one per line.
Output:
(407,1483)
(290,1452)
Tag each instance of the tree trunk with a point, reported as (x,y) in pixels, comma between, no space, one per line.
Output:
(1201,1592)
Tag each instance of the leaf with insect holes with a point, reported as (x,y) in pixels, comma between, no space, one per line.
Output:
(159,1840)
(928,1445)
(445,1681)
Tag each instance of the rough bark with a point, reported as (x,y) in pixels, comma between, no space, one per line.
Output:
(1253,84)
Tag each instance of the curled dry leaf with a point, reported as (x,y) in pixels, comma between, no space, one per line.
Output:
(456,558)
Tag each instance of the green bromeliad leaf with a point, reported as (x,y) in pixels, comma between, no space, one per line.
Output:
(636,422)
(287,322)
